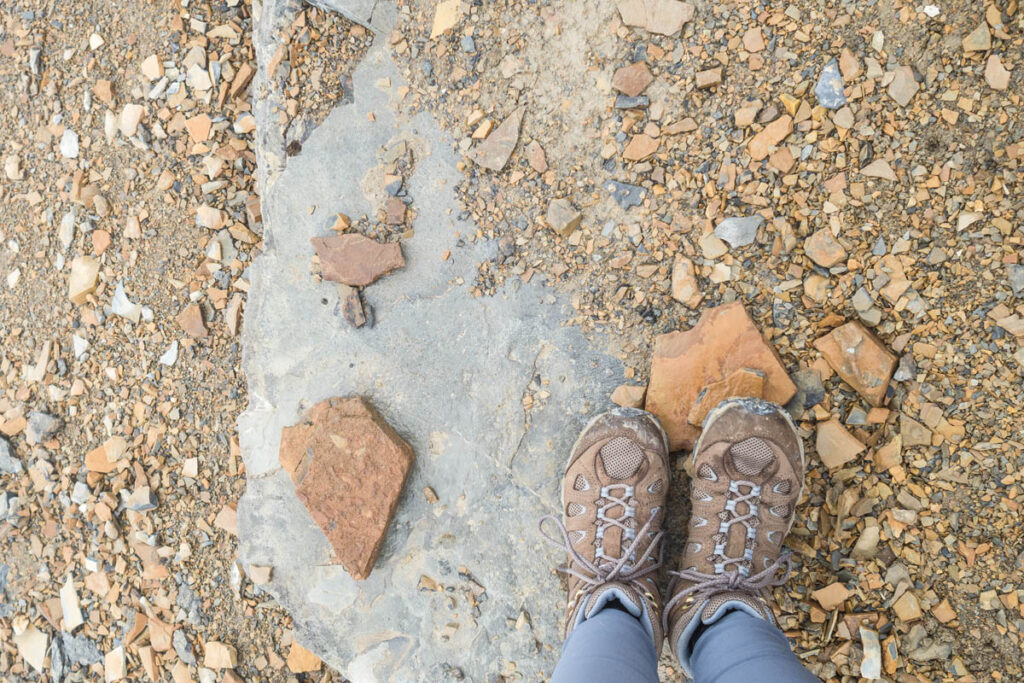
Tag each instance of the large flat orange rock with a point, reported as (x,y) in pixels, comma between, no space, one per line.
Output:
(722,342)
(349,467)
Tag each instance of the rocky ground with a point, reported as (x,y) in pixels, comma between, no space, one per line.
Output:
(821,166)
(130,219)
(857,162)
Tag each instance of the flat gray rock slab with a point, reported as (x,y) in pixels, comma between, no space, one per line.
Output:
(449,372)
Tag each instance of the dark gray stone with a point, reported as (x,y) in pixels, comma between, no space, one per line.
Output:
(183,647)
(9,464)
(739,232)
(907,368)
(810,391)
(80,650)
(58,661)
(829,89)
(627,102)
(624,194)
(191,603)
(1015,276)
(42,426)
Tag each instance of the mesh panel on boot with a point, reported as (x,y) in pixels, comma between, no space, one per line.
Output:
(581,483)
(751,456)
(574,509)
(621,457)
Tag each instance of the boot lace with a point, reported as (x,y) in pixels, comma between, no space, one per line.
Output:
(725,580)
(606,569)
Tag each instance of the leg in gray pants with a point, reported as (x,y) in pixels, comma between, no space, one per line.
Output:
(613,647)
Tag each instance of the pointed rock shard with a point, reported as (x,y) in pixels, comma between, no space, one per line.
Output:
(104,459)
(85,271)
(913,433)
(831,596)
(829,89)
(114,665)
(31,644)
(978,40)
(349,467)
(191,321)
(903,86)
(640,147)
(70,607)
(355,260)
(849,65)
(723,341)
(300,660)
(446,16)
(996,75)
(536,156)
(879,168)
(836,446)
(774,133)
(889,455)
(494,152)
(860,359)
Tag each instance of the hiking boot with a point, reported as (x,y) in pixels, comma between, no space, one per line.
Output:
(748,473)
(613,509)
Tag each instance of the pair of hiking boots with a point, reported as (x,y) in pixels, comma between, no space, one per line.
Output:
(747,476)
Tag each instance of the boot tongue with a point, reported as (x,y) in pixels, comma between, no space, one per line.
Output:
(626,595)
(721,603)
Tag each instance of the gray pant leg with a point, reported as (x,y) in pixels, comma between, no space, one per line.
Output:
(610,647)
(740,648)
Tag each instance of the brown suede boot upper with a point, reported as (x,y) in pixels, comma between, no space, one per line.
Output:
(748,471)
(613,496)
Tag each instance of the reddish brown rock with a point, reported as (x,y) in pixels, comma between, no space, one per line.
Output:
(685,288)
(835,445)
(352,306)
(744,383)
(105,459)
(709,78)
(823,248)
(494,152)
(633,79)
(536,156)
(394,211)
(640,147)
(629,396)
(760,146)
(191,320)
(348,466)
(355,260)
(860,359)
(723,341)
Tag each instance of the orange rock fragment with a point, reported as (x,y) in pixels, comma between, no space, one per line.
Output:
(860,359)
